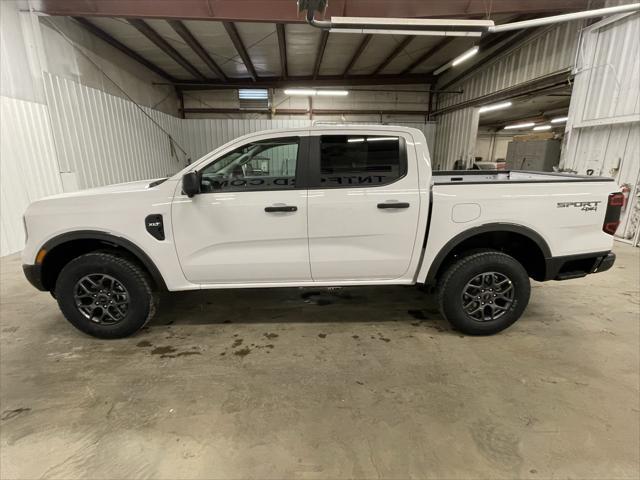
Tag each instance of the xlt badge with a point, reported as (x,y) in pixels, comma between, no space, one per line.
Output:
(155,226)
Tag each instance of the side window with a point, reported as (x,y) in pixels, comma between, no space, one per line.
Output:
(361,160)
(263,165)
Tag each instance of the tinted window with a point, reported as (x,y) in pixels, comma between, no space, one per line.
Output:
(359,160)
(264,165)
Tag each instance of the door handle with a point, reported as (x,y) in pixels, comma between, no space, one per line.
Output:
(393,205)
(281,208)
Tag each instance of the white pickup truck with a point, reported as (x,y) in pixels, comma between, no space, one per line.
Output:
(320,206)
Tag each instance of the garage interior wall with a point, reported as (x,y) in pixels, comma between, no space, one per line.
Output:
(602,133)
(545,52)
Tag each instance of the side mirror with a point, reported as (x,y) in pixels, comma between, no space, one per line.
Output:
(191,184)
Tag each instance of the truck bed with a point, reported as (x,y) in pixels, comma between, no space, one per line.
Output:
(452,177)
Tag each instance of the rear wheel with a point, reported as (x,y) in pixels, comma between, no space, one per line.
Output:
(104,295)
(484,293)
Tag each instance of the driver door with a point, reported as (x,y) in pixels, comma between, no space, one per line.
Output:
(249,223)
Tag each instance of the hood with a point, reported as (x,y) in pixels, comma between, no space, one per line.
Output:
(136,186)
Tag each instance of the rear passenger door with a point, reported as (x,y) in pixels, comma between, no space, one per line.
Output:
(363,206)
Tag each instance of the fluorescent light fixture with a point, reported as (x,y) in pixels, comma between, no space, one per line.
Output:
(253,94)
(519,126)
(312,92)
(433,33)
(542,127)
(559,119)
(465,56)
(306,92)
(355,140)
(410,26)
(332,93)
(495,106)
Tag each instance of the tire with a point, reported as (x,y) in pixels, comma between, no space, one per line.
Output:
(114,295)
(493,286)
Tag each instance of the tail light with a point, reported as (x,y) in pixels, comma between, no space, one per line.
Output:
(612,216)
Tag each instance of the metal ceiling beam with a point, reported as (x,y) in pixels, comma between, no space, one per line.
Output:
(237,43)
(302,111)
(534,86)
(282,46)
(104,36)
(425,56)
(308,81)
(190,40)
(324,36)
(163,45)
(284,11)
(396,51)
(358,52)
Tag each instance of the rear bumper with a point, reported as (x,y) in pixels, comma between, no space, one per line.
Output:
(34,275)
(576,266)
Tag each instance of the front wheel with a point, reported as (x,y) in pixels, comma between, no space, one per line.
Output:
(484,293)
(105,295)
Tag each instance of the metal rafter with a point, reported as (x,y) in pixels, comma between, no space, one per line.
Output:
(190,40)
(425,56)
(104,36)
(239,46)
(396,51)
(163,45)
(282,46)
(309,81)
(324,36)
(358,52)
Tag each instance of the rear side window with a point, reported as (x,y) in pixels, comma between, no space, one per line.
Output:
(361,160)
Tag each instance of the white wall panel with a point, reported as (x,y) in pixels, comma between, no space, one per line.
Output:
(28,167)
(548,51)
(603,130)
(203,135)
(105,139)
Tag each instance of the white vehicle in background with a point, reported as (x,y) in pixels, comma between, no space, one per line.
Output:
(320,206)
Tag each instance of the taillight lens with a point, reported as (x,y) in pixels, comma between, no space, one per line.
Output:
(612,215)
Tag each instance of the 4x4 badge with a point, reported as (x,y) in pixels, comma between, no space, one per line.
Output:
(584,206)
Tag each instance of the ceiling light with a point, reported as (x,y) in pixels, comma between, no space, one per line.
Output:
(559,119)
(405,26)
(542,127)
(355,140)
(495,106)
(312,92)
(332,93)
(518,126)
(307,92)
(465,56)
(253,94)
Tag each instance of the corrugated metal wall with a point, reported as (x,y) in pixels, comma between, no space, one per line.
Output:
(105,139)
(28,165)
(203,135)
(603,130)
(548,51)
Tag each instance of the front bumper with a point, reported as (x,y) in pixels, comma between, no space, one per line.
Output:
(577,266)
(34,275)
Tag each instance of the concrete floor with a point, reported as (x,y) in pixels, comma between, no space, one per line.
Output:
(358,383)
